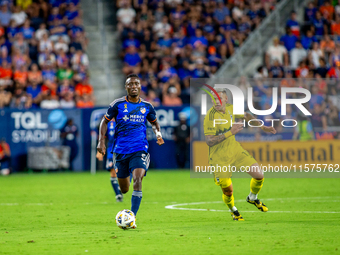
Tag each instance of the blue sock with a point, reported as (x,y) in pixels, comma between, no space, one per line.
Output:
(115,185)
(135,201)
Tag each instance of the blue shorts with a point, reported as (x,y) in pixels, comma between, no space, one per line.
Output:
(4,164)
(110,164)
(126,163)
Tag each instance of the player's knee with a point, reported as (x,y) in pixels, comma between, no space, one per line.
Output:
(137,180)
(113,173)
(124,189)
(228,193)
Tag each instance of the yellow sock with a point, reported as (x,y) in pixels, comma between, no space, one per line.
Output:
(256,185)
(229,201)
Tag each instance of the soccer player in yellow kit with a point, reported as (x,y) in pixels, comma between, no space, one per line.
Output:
(224,150)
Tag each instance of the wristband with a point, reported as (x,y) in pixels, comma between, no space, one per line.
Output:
(158,134)
(228,134)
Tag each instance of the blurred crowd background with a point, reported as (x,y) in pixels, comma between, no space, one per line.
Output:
(169,42)
(43,60)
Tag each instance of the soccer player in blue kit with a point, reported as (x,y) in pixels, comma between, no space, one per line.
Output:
(110,166)
(130,144)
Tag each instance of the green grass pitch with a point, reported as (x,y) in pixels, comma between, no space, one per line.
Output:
(73,213)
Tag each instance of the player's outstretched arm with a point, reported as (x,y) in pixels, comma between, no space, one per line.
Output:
(156,128)
(248,117)
(101,148)
(212,140)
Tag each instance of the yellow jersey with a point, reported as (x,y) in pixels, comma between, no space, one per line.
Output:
(218,123)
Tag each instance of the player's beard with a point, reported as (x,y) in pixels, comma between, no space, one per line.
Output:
(134,96)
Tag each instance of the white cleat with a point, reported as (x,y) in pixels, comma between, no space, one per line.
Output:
(119,198)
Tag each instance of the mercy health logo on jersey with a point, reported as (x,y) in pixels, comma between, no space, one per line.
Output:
(37,127)
(238,103)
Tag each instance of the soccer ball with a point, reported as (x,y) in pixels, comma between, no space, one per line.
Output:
(125,219)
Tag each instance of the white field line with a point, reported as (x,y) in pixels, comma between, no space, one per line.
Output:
(315,199)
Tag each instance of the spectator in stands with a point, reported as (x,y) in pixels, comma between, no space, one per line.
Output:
(5,15)
(132,61)
(214,59)
(327,45)
(170,96)
(34,91)
(162,27)
(288,80)
(67,101)
(334,72)
(335,26)
(18,16)
(27,31)
(50,101)
(276,70)
(153,98)
(20,99)
(327,10)
(61,45)
(276,52)
(321,85)
(320,25)
(293,24)
(167,72)
(65,88)
(20,44)
(85,101)
(5,97)
(289,39)
(262,72)
(221,12)
(315,54)
(41,31)
(316,98)
(297,55)
(34,76)
(5,70)
(45,43)
(322,68)
(310,12)
(80,58)
(199,70)
(337,8)
(84,87)
(308,40)
(335,55)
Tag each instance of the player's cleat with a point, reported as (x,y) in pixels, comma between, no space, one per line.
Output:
(259,205)
(236,216)
(119,198)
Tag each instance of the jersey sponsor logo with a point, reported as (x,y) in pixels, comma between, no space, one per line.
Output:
(143,110)
(125,118)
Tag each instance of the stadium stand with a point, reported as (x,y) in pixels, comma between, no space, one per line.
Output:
(43,55)
(168,42)
(308,55)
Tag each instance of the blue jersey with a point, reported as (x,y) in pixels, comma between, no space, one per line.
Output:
(110,135)
(130,130)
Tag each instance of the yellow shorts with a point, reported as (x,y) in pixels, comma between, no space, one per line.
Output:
(242,159)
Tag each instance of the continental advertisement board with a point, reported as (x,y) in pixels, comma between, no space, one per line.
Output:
(282,158)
